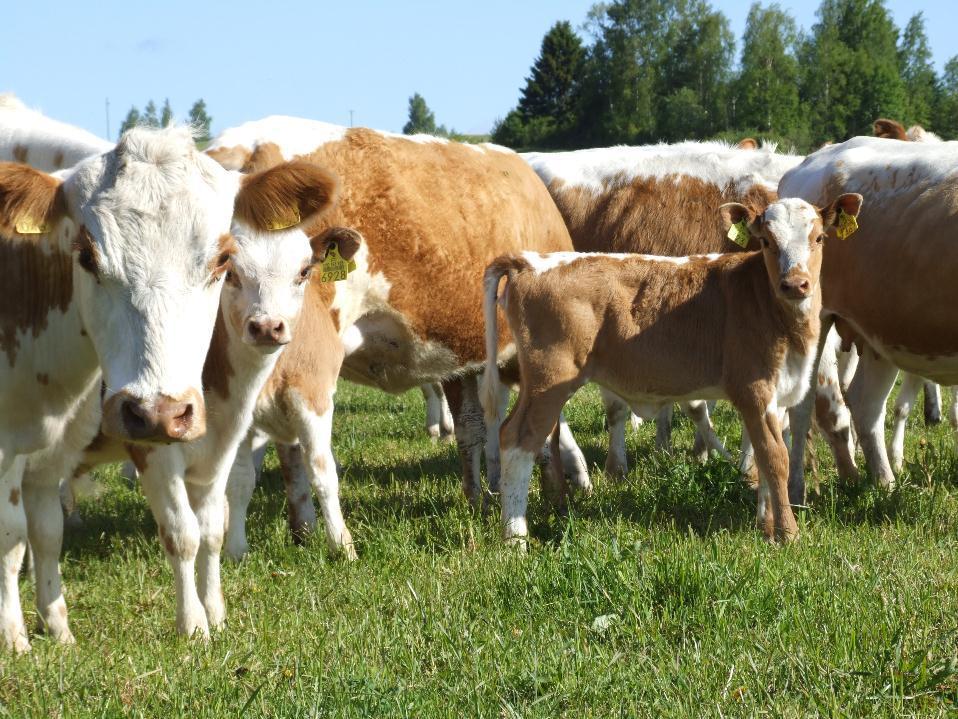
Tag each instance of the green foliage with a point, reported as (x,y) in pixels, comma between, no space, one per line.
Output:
(150,118)
(654,597)
(201,121)
(131,120)
(421,118)
(658,70)
(166,114)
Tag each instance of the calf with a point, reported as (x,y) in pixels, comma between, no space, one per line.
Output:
(742,327)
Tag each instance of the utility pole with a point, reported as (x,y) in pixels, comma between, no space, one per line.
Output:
(350,118)
(108,119)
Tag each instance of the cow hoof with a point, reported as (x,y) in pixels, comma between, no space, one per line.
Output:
(519,544)
(614,469)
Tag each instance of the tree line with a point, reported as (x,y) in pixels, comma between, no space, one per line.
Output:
(653,70)
(197,116)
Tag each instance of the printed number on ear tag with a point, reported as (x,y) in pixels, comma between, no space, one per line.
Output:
(335,267)
(739,234)
(847,224)
(29,227)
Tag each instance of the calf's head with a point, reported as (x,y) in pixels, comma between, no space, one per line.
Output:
(148,224)
(791,232)
(271,263)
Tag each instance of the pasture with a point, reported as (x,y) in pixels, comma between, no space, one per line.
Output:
(654,597)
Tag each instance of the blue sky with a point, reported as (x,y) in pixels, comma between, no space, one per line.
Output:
(312,59)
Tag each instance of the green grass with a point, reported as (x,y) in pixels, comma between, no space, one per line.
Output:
(655,597)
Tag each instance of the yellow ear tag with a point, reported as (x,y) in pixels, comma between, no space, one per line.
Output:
(29,227)
(847,224)
(284,223)
(335,267)
(739,234)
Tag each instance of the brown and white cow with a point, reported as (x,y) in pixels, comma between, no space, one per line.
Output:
(433,214)
(738,326)
(661,200)
(113,276)
(898,300)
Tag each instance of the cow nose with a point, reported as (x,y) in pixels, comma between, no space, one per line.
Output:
(165,420)
(796,287)
(267,331)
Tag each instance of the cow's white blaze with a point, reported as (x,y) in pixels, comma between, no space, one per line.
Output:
(790,224)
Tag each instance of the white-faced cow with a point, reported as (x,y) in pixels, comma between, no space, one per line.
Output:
(433,213)
(738,326)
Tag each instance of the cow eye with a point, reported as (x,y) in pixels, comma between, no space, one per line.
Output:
(764,242)
(820,239)
(87,260)
(304,274)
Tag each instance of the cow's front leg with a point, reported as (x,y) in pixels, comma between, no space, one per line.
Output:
(13,542)
(209,502)
(179,534)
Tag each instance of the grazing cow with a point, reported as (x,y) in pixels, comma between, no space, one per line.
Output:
(889,286)
(737,326)
(113,277)
(433,213)
(267,277)
(30,137)
(661,200)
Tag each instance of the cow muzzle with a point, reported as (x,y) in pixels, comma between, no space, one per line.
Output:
(797,286)
(159,420)
(266,332)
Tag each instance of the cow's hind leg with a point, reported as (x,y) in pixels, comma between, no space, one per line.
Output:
(907,394)
(13,542)
(932,403)
(617,413)
(463,395)
(300,512)
(705,438)
(867,396)
(239,492)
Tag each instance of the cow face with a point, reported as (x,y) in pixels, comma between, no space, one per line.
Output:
(791,232)
(269,268)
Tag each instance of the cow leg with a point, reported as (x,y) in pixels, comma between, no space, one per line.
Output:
(523,434)
(493,469)
(663,428)
(867,396)
(239,492)
(260,445)
(746,461)
(573,461)
(431,392)
(953,410)
(463,394)
(698,411)
(932,404)
(315,430)
(208,502)
(910,386)
(300,512)
(13,543)
(617,412)
(179,533)
(41,503)
(775,515)
(831,412)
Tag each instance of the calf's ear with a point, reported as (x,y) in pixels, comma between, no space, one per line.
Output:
(292,194)
(346,239)
(850,204)
(733,213)
(30,201)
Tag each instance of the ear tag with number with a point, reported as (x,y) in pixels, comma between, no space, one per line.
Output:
(335,267)
(847,224)
(739,234)
(284,223)
(29,227)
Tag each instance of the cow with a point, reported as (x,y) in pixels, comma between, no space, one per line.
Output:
(897,302)
(433,214)
(113,271)
(894,130)
(661,200)
(30,137)
(737,326)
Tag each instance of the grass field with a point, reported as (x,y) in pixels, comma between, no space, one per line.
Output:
(655,597)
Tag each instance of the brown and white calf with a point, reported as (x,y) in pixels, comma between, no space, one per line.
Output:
(897,302)
(433,213)
(114,272)
(738,326)
(661,200)
(266,280)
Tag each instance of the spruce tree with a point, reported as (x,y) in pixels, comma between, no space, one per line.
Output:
(421,118)
(131,120)
(149,117)
(200,120)
(166,114)
(550,88)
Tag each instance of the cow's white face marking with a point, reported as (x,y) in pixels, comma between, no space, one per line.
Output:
(153,210)
(268,280)
(789,225)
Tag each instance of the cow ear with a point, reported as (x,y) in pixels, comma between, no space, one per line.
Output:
(850,204)
(889,129)
(347,241)
(292,194)
(31,201)
(748,143)
(733,213)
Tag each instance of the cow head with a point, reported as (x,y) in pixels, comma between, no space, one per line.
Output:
(791,232)
(271,263)
(149,227)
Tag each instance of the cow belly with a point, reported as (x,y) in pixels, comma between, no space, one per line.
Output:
(385,352)
(941,369)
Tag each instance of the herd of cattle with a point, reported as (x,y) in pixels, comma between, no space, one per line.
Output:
(175,308)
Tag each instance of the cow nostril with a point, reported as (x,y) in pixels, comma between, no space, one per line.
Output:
(254,328)
(804,286)
(186,416)
(785,286)
(133,415)
(278,328)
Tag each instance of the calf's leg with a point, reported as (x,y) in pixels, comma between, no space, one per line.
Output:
(867,396)
(463,395)
(239,492)
(208,502)
(932,403)
(617,413)
(13,543)
(771,455)
(907,394)
(300,512)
